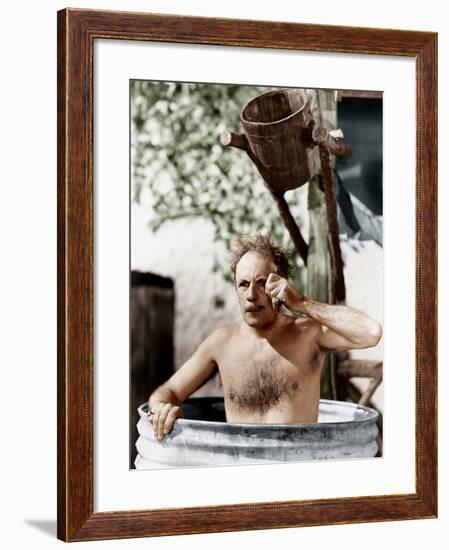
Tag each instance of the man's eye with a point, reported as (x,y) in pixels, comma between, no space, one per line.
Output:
(243,283)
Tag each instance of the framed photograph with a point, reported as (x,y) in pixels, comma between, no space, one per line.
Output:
(246,275)
(194,201)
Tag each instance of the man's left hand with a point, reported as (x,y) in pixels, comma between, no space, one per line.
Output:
(282,292)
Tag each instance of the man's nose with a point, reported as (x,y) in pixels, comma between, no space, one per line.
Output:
(252,294)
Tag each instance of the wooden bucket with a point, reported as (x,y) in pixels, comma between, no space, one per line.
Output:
(275,124)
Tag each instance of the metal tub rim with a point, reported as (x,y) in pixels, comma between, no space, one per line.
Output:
(371,415)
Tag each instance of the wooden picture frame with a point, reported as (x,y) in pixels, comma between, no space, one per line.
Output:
(77,32)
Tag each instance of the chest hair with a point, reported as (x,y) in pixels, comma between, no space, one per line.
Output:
(265,384)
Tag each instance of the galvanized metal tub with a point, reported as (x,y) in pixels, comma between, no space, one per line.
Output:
(343,430)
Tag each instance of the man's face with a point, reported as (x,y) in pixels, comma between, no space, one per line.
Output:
(250,277)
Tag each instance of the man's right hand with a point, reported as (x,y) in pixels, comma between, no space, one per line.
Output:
(163,416)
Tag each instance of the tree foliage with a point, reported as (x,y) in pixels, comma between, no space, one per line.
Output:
(178,158)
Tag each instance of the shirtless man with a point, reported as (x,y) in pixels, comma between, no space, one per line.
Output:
(269,362)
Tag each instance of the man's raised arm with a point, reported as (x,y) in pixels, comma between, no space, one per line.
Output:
(342,327)
(164,403)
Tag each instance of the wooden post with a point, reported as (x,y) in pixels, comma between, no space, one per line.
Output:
(338,290)
(319,282)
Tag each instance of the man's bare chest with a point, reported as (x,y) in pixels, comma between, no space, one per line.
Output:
(260,377)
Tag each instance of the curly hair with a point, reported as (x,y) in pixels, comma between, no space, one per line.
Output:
(263,245)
